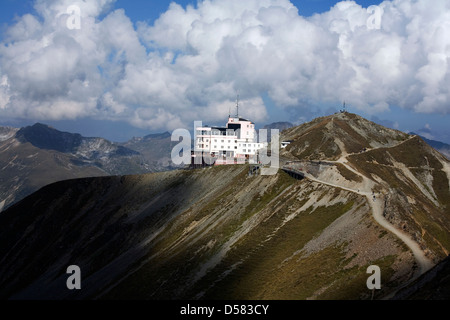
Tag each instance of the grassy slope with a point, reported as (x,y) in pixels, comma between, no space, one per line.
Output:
(255,267)
(154,234)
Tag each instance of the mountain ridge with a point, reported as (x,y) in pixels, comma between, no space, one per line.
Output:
(221,233)
(355,134)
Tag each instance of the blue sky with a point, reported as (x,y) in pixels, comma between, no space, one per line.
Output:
(141,10)
(100,86)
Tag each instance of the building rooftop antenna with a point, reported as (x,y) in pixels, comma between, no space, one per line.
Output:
(343,110)
(237,106)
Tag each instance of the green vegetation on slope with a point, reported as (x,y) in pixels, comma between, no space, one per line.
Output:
(347,174)
(258,258)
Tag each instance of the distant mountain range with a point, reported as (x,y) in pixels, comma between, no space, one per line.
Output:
(34,156)
(279,125)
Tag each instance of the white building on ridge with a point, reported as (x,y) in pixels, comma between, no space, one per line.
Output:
(237,142)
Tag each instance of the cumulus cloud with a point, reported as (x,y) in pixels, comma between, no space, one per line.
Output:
(190,63)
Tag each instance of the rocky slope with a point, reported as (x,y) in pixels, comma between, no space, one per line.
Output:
(219,233)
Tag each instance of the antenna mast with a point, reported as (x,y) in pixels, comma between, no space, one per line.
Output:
(343,110)
(237,106)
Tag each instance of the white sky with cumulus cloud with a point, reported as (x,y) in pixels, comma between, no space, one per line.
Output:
(190,63)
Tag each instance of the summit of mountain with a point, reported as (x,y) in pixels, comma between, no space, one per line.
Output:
(45,137)
(330,137)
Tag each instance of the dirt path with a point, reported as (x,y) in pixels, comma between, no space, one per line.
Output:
(422,261)
(377,206)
